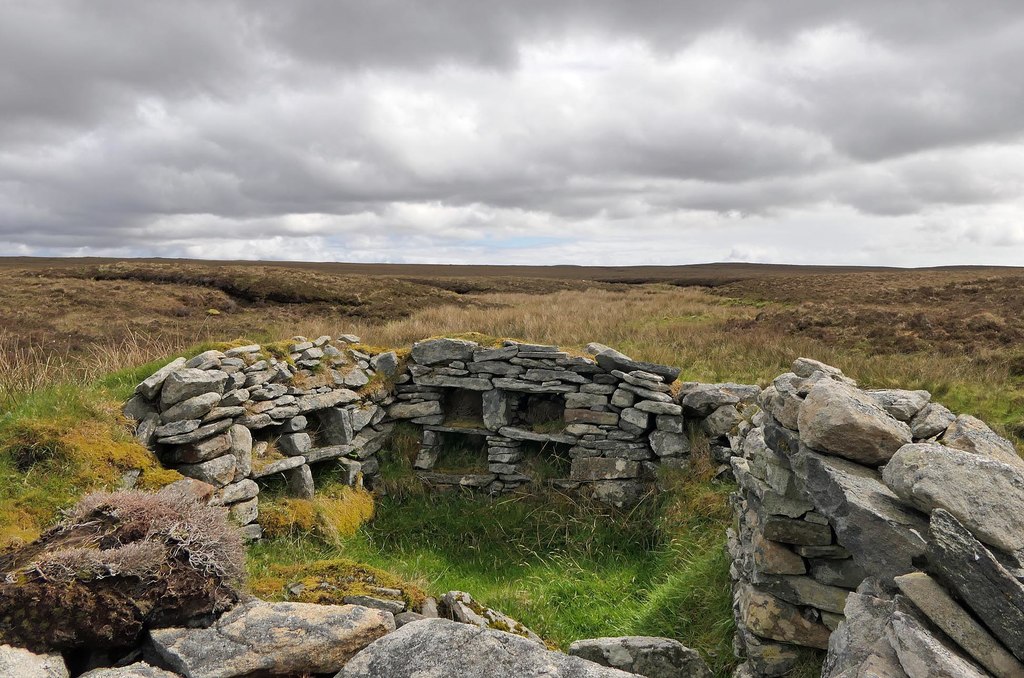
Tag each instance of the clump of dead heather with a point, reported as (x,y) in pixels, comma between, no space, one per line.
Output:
(118,564)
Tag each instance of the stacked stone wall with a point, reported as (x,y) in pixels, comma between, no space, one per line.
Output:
(879,526)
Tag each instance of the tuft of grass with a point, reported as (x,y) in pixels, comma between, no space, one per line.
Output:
(337,511)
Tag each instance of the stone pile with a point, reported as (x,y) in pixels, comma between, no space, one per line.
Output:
(879,526)
(235,417)
(616,419)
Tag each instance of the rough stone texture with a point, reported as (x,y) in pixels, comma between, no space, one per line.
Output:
(923,655)
(841,420)
(860,642)
(187,382)
(385,363)
(409,410)
(17,662)
(883,535)
(971,434)
(985,495)
(195,407)
(439,647)
(137,670)
(931,421)
(769,617)
(666,444)
(600,468)
(929,596)
(150,386)
(433,351)
(805,591)
(782,399)
(218,472)
(643,656)
(970,570)
(460,606)
(272,639)
(900,404)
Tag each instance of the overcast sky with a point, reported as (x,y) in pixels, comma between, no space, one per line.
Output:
(526,131)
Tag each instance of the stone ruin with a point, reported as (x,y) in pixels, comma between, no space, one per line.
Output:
(237,419)
(876,525)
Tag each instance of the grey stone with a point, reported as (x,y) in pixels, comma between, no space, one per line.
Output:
(145,432)
(643,656)
(460,606)
(667,444)
(804,591)
(658,407)
(138,408)
(469,383)
(362,416)
(136,670)
(845,573)
(150,386)
(243,490)
(205,431)
(641,420)
(839,419)
(601,468)
(258,638)
(185,383)
(392,606)
(623,398)
(700,400)
(722,421)
(403,618)
(492,354)
(193,408)
(243,350)
(278,466)
(336,426)
(972,435)
(321,401)
(522,386)
(497,409)
(200,451)
(931,421)
(900,404)
(407,410)
(205,359)
(177,428)
(613,360)
(591,417)
(782,400)
(219,413)
(433,351)
(217,472)
(792,531)
(439,647)
(300,482)
(355,378)
(859,645)
(971,571)
(17,662)
(883,534)
(669,423)
(543,375)
(618,493)
(244,512)
(987,496)
(295,424)
(294,444)
(348,338)
(495,367)
(924,655)
(235,397)
(646,393)
(582,400)
(806,367)
(769,617)
(933,600)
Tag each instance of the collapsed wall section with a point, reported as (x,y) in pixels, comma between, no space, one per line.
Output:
(879,526)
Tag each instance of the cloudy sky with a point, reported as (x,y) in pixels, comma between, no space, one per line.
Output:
(526,132)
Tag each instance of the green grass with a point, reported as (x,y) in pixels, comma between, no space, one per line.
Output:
(568,569)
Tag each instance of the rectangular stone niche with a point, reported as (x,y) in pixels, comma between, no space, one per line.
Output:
(463,408)
(453,450)
(539,412)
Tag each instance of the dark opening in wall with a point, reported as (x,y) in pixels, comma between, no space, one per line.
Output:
(461,453)
(463,408)
(540,412)
(545,460)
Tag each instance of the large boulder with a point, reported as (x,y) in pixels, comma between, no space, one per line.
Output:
(137,670)
(842,420)
(923,654)
(987,496)
(860,644)
(971,434)
(644,656)
(439,647)
(971,571)
(18,662)
(883,535)
(117,565)
(281,639)
(189,382)
(903,405)
(434,351)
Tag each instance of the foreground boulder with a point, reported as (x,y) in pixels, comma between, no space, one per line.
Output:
(15,661)
(644,656)
(272,639)
(840,419)
(439,647)
(117,565)
(137,670)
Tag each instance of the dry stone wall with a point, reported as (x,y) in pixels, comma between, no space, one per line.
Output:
(236,418)
(879,526)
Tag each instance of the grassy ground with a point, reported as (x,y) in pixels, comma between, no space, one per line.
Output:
(73,340)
